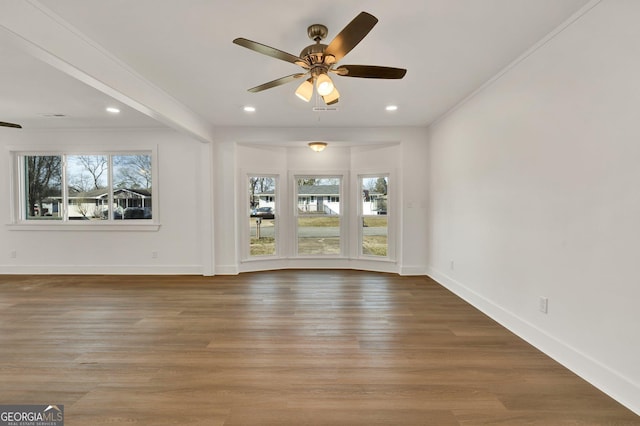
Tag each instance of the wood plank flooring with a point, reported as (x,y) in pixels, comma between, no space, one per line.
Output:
(276,348)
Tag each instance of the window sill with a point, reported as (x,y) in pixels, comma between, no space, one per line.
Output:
(66,226)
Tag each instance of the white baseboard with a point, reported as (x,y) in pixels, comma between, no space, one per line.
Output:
(255,265)
(226,270)
(601,376)
(101,269)
(413,270)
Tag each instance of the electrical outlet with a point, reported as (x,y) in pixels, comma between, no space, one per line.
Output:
(154,254)
(451,265)
(544,305)
(13,254)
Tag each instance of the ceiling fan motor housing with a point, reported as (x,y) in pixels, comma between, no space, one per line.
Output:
(317,32)
(314,53)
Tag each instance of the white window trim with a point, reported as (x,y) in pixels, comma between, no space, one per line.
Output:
(17,191)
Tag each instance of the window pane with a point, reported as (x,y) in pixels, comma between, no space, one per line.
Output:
(262,216)
(43,187)
(87,177)
(374,232)
(374,235)
(318,213)
(318,234)
(132,187)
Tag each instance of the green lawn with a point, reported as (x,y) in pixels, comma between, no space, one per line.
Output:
(375,221)
(319,221)
(265,246)
(372,245)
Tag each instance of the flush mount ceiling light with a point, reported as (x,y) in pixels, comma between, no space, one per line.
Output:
(392,107)
(249,109)
(318,60)
(113,110)
(317,146)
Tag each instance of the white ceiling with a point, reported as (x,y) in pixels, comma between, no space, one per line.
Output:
(183,49)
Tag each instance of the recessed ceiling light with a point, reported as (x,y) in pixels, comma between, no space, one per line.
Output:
(249,109)
(113,110)
(392,107)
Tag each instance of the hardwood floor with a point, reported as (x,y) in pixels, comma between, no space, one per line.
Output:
(276,348)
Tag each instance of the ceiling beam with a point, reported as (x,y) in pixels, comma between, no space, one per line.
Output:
(43,34)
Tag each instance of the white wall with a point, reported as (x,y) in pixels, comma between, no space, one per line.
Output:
(535,191)
(181,190)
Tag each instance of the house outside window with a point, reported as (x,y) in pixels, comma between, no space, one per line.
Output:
(318,215)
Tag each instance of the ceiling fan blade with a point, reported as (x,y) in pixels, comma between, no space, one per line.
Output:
(3,124)
(370,71)
(278,82)
(351,35)
(270,51)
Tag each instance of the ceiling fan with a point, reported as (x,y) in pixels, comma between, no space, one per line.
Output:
(318,60)
(3,124)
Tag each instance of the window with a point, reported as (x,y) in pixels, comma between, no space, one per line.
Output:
(374,233)
(318,215)
(87,187)
(262,215)
(43,187)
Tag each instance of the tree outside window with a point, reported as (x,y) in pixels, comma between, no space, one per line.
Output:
(43,186)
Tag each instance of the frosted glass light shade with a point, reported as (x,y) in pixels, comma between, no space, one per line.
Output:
(324,85)
(332,97)
(317,146)
(305,90)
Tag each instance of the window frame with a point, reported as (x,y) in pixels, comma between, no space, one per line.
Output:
(18,220)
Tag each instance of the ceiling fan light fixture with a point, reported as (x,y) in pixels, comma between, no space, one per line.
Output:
(317,146)
(332,97)
(305,90)
(324,85)
(319,59)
